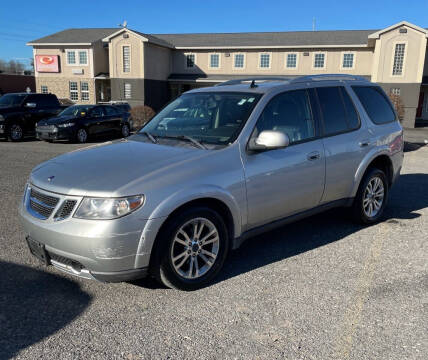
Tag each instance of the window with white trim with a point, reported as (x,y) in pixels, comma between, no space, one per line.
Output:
(214,60)
(44,89)
(83,57)
(264,61)
(291,61)
(126,58)
(397,67)
(348,61)
(74,91)
(239,61)
(395,91)
(84,91)
(319,61)
(71,57)
(127,91)
(190,60)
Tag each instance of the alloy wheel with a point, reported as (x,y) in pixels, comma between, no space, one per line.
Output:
(125,130)
(195,248)
(15,132)
(82,135)
(373,197)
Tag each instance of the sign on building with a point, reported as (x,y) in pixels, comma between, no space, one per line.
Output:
(47,63)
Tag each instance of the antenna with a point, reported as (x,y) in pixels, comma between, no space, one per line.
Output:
(124,24)
(313,23)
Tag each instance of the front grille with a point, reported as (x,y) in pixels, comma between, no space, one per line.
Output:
(65,209)
(45,128)
(66,261)
(42,204)
(50,201)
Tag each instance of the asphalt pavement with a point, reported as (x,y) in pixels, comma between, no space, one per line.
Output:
(322,288)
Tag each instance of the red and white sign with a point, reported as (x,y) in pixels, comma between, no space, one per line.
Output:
(47,63)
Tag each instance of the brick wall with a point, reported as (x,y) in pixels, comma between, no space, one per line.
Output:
(61,87)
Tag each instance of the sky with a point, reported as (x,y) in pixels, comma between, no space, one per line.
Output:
(24,20)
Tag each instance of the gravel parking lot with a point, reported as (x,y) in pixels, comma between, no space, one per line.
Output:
(322,288)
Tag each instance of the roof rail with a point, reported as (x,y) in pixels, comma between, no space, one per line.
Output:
(253,80)
(328,77)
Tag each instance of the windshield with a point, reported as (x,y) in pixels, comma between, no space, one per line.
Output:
(75,110)
(215,118)
(10,100)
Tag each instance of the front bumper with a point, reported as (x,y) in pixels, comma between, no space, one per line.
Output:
(106,250)
(59,134)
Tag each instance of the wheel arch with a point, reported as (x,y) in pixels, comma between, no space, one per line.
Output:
(381,161)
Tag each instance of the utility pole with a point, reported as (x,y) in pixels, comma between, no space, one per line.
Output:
(313,23)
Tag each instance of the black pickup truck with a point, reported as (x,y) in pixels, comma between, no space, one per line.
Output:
(20,112)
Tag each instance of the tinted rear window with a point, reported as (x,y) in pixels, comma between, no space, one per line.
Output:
(333,111)
(351,113)
(375,103)
(109,110)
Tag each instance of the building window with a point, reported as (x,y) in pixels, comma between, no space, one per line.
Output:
(395,91)
(397,68)
(127,92)
(291,61)
(74,91)
(190,60)
(319,61)
(239,61)
(84,91)
(44,89)
(71,57)
(348,61)
(126,59)
(214,60)
(83,58)
(264,61)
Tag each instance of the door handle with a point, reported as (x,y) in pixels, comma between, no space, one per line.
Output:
(364,143)
(313,156)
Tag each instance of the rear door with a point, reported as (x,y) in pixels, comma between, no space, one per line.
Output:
(94,122)
(112,120)
(285,181)
(346,141)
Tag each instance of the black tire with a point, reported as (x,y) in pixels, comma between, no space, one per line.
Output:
(358,212)
(15,132)
(125,130)
(81,136)
(162,267)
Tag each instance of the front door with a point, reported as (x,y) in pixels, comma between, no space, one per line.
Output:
(285,181)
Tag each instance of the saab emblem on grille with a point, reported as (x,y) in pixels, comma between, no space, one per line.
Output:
(50,178)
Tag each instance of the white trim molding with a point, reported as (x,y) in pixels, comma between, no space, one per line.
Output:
(269,47)
(77,57)
(377,34)
(391,68)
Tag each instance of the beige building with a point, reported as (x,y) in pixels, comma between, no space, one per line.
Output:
(97,65)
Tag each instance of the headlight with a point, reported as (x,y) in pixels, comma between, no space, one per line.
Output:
(66,125)
(108,208)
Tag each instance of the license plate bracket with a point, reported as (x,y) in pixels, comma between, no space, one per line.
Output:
(38,250)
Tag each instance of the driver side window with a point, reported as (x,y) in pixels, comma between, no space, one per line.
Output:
(290,113)
(97,112)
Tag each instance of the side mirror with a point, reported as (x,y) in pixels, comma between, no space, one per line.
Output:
(269,140)
(30,105)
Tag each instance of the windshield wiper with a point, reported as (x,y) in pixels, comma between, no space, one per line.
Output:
(150,136)
(186,137)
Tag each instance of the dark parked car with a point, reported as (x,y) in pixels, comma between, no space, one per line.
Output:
(78,122)
(19,113)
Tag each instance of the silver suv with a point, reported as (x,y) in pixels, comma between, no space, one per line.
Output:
(214,167)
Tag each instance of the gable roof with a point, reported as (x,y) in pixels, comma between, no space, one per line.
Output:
(75,36)
(377,34)
(143,36)
(268,39)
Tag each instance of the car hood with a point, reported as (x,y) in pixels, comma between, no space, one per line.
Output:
(56,120)
(109,169)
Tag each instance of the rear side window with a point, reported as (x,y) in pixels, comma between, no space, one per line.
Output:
(375,103)
(338,110)
(48,101)
(333,110)
(110,111)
